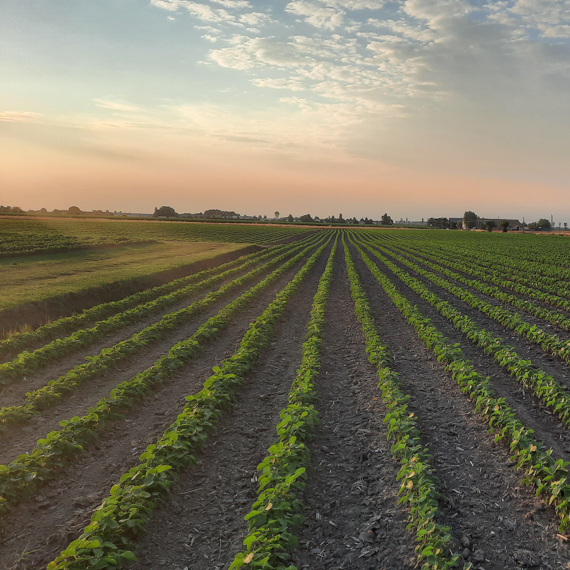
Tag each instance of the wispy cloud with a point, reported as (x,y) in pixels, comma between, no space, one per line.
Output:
(117,106)
(19,116)
(316,14)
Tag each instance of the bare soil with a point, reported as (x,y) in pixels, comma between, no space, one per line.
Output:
(353,520)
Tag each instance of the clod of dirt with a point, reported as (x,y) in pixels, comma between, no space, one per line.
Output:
(526,558)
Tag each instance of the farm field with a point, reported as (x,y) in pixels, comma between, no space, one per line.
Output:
(29,236)
(39,277)
(52,267)
(356,399)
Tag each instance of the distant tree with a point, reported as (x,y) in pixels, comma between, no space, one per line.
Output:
(470,219)
(290,218)
(459,224)
(265,217)
(504,225)
(565,225)
(386,220)
(306,218)
(490,225)
(74,211)
(224,214)
(543,224)
(165,211)
(276,215)
(440,223)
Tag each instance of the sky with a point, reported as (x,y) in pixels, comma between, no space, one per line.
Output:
(416,108)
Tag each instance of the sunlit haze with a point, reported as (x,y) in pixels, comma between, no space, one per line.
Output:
(417,108)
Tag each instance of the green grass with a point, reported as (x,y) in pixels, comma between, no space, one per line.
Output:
(38,277)
(35,235)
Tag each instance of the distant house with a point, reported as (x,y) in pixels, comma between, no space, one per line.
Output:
(135,215)
(192,216)
(514,225)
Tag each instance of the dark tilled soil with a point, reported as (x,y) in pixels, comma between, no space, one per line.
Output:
(203,526)
(352,518)
(495,522)
(36,314)
(529,409)
(46,524)
(12,394)
(21,437)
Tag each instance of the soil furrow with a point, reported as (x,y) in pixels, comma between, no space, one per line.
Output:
(18,439)
(551,328)
(45,525)
(352,517)
(495,521)
(13,394)
(529,409)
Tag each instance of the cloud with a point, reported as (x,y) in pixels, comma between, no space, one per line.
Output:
(316,14)
(356,4)
(246,53)
(117,106)
(254,18)
(233,4)
(19,116)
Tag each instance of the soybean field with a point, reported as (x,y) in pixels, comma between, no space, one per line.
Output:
(324,399)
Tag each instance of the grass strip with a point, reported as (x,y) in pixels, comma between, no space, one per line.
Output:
(28,362)
(418,489)
(541,470)
(19,479)
(49,331)
(122,517)
(542,384)
(277,509)
(59,388)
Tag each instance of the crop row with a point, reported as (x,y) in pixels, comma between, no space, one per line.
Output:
(28,362)
(89,231)
(547,341)
(553,278)
(505,270)
(49,331)
(418,489)
(19,478)
(500,281)
(57,389)
(546,474)
(542,384)
(123,515)
(277,509)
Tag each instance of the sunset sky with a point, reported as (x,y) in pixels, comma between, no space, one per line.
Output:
(417,108)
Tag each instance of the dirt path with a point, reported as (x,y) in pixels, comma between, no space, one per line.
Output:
(64,507)
(495,522)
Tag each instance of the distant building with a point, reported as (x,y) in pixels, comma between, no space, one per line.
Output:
(514,224)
